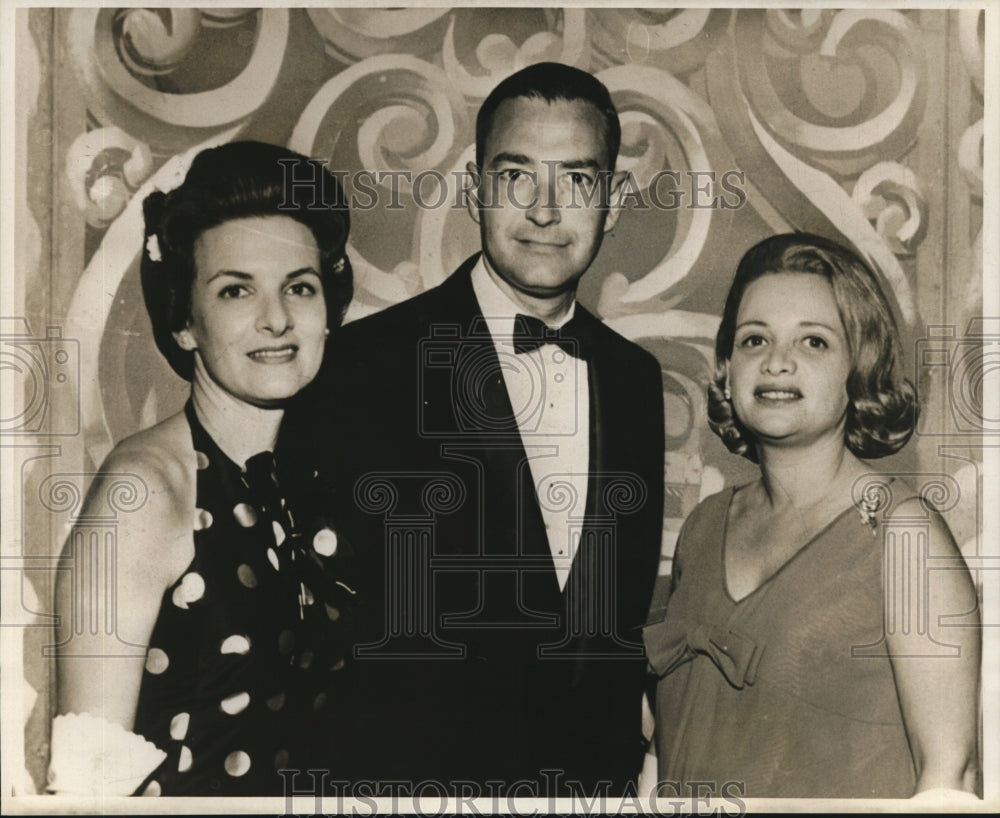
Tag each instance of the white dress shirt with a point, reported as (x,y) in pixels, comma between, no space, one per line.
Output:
(548,391)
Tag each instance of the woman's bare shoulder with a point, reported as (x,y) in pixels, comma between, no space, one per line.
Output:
(162,452)
(158,465)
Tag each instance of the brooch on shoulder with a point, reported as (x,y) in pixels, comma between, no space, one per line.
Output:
(868,507)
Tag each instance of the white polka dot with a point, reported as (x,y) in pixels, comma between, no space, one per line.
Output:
(192,586)
(281,759)
(236,703)
(202,459)
(286,641)
(246,576)
(184,762)
(179,726)
(237,643)
(276,702)
(305,659)
(245,515)
(307,596)
(279,532)
(178,598)
(152,789)
(319,701)
(157,661)
(237,763)
(325,542)
(272,557)
(332,613)
(202,519)
(338,665)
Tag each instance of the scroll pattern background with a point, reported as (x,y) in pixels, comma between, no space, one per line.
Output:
(865,126)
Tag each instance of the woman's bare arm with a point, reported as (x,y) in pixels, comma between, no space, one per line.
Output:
(99,672)
(934,645)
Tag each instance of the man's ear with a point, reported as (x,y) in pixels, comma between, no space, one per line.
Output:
(472,190)
(185,340)
(614,199)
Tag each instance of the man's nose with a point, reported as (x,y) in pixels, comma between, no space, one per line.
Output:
(545,207)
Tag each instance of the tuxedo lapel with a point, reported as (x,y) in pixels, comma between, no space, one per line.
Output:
(595,585)
(485,429)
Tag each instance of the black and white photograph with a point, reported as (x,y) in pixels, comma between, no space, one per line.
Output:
(499,408)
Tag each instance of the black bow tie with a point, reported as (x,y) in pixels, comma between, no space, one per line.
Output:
(530,333)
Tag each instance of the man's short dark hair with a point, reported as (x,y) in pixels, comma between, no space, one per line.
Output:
(551,81)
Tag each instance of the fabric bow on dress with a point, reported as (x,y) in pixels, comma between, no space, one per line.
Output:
(304,558)
(737,656)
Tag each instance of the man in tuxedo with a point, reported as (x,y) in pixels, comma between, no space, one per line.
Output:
(497,460)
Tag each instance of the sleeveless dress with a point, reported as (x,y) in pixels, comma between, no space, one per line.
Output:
(250,643)
(789,691)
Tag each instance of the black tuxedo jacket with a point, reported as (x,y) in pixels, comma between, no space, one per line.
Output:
(471,663)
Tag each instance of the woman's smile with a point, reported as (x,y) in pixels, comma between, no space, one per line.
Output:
(274,355)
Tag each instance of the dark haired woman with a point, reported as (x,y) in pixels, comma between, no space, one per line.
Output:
(787,663)
(232,584)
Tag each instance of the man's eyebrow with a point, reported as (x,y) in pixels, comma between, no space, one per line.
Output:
(580,164)
(505,157)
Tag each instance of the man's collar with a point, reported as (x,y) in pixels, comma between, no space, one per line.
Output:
(497,307)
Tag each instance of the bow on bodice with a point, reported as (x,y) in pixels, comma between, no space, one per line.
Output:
(261,479)
(737,656)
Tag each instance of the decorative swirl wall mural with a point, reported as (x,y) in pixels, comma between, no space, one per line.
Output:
(811,113)
(733,123)
(352,35)
(674,40)
(152,72)
(736,123)
(382,123)
(854,99)
(478,50)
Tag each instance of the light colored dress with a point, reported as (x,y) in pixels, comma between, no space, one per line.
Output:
(787,692)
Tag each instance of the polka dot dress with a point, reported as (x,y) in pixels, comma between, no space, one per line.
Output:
(250,642)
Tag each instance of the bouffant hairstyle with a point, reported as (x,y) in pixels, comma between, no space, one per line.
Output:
(551,81)
(235,181)
(882,406)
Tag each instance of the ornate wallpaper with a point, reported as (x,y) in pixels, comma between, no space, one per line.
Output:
(862,125)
